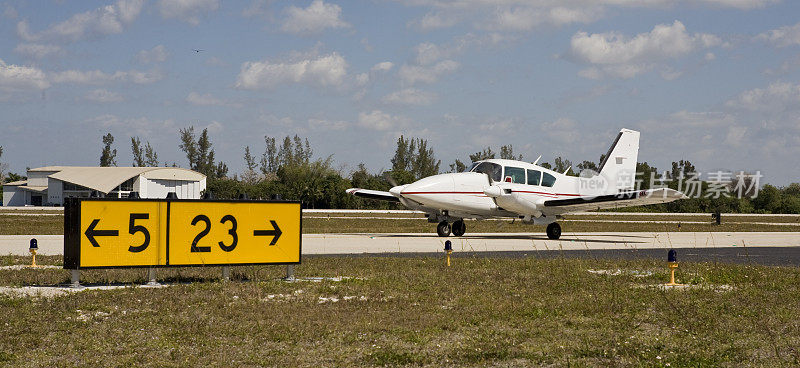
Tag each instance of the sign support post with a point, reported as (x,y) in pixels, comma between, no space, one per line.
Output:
(75,278)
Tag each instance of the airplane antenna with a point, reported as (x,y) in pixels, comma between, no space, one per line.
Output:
(537,159)
(567,170)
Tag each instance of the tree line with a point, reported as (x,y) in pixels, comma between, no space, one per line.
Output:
(288,169)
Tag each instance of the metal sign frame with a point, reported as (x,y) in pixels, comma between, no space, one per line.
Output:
(72,232)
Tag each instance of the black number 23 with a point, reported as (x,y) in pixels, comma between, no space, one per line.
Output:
(204,232)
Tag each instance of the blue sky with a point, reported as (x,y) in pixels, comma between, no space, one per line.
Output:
(716,82)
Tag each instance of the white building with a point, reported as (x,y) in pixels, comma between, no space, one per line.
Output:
(51,184)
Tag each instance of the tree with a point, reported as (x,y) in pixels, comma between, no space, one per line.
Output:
(3,168)
(424,163)
(588,165)
(269,159)
(138,152)
(403,155)
(189,146)
(645,174)
(507,152)
(458,166)
(249,176)
(483,155)
(561,164)
(200,154)
(680,169)
(108,157)
(150,155)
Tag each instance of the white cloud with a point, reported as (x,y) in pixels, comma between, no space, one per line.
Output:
(379,120)
(526,18)
(97,77)
(434,20)
(314,19)
(103,96)
(412,74)
(324,124)
(527,15)
(21,78)
(782,37)
(382,67)
(10,12)
(613,54)
(215,61)
(38,51)
(103,21)
(188,11)
(157,54)
(775,98)
(258,8)
(325,71)
(410,96)
(562,130)
(207,99)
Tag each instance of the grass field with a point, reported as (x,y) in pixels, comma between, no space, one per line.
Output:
(315,223)
(411,311)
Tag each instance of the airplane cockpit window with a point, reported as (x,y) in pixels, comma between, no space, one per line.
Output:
(494,170)
(534,176)
(548,180)
(473,166)
(515,175)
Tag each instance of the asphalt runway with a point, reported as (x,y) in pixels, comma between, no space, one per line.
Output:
(768,248)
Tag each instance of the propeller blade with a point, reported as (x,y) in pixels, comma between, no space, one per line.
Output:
(387,175)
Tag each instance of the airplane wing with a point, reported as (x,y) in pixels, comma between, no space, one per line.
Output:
(624,199)
(373,194)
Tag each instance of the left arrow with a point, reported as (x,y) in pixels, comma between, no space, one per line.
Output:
(91,233)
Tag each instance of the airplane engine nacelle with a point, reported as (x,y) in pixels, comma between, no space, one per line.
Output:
(520,203)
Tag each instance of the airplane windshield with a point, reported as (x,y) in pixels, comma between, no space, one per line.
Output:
(493,170)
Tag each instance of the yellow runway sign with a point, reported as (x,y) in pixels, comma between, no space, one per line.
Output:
(102,233)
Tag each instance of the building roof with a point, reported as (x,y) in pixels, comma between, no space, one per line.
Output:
(13,183)
(105,179)
(36,189)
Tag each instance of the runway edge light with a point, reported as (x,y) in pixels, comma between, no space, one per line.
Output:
(33,248)
(672,262)
(448,247)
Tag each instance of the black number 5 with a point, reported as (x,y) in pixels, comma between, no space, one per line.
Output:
(232,231)
(133,229)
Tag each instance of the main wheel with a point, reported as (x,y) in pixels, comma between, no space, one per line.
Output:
(554,230)
(459,228)
(443,229)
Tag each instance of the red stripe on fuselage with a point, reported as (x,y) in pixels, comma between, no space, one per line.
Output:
(518,191)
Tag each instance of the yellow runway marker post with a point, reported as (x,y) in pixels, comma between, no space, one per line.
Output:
(448,247)
(672,261)
(34,247)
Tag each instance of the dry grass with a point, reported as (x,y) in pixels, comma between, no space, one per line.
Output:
(411,311)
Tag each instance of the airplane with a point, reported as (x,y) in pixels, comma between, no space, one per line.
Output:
(498,188)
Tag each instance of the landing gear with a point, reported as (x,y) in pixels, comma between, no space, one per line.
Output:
(443,229)
(554,231)
(459,228)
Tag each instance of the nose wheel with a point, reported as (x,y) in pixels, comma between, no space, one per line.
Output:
(443,229)
(554,231)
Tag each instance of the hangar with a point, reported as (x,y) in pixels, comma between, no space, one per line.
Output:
(48,186)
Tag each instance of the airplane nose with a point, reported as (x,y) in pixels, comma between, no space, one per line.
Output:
(397,190)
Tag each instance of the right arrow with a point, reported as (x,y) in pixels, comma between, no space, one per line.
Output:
(91,233)
(275,233)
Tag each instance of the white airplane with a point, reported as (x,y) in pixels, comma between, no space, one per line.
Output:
(514,189)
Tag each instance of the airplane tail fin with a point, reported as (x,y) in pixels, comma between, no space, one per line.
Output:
(619,165)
